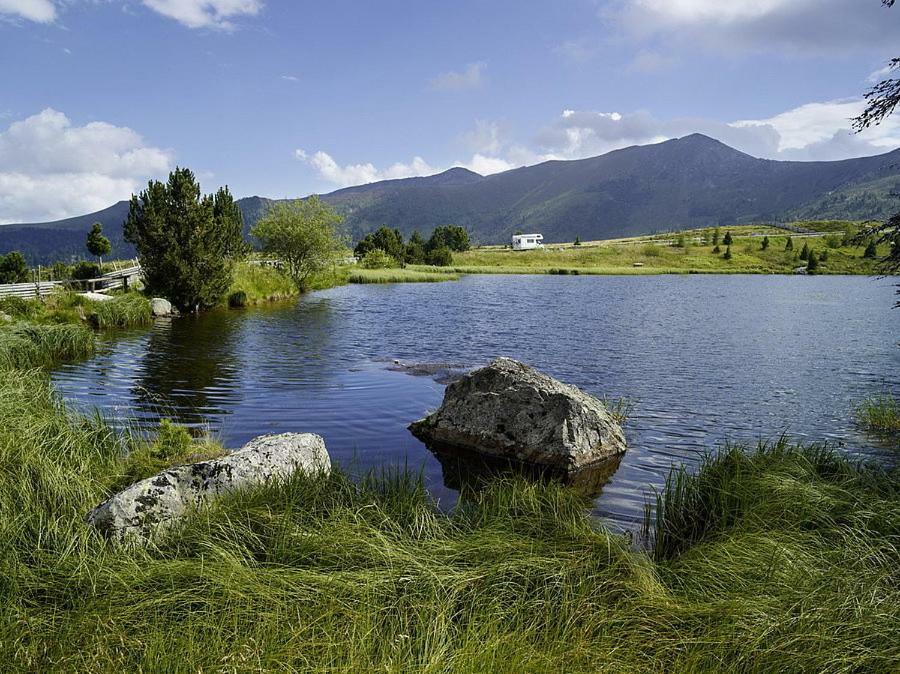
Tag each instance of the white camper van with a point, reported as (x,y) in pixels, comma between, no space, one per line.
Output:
(527,241)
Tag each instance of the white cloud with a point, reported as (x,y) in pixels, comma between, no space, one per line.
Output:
(486,137)
(816,131)
(471,78)
(205,13)
(290,78)
(50,169)
(799,25)
(359,174)
(881,73)
(40,11)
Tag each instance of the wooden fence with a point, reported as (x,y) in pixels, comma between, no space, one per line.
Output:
(39,289)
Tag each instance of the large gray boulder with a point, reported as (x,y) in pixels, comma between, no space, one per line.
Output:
(510,410)
(160,307)
(158,501)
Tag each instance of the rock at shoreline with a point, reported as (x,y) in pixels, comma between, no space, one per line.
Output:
(510,410)
(158,501)
(97,297)
(160,307)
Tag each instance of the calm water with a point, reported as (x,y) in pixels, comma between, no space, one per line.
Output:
(706,358)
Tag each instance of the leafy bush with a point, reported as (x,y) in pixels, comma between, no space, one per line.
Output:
(237,299)
(378,259)
(453,237)
(83,271)
(439,257)
(871,251)
(651,250)
(13,268)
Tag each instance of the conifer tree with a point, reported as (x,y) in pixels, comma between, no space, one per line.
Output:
(789,245)
(727,240)
(187,242)
(765,242)
(871,250)
(812,262)
(97,244)
(804,252)
(727,255)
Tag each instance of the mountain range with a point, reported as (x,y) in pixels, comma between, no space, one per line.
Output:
(694,181)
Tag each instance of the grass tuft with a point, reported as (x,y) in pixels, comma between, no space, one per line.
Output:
(879,414)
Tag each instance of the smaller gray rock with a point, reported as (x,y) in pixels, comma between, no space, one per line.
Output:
(160,307)
(5,318)
(97,297)
(155,503)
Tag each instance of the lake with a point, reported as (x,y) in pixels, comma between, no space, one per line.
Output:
(706,359)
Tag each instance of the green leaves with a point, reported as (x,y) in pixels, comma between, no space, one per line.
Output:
(187,242)
(304,235)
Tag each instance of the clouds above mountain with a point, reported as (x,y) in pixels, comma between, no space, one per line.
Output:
(816,131)
(217,14)
(50,168)
(793,25)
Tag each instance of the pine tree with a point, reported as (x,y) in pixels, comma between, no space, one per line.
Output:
(727,240)
(715,238)
(727,255)
(812,262)
(97,244)
(804,252)
(871,250)
(187,242)
(765,242)
(577,241)
(789,245)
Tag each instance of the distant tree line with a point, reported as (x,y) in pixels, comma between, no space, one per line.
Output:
(385,247)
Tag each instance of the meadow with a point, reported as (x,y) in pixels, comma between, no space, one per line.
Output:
(686,252)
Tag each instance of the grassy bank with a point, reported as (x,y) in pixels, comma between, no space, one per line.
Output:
(780,560)
(682,253)
(406,275)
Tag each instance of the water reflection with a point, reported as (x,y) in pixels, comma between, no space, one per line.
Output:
(467,470)
(708,359)
(188,365)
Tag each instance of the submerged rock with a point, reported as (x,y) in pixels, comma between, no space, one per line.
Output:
(151,504)
(161,307)
(510,410)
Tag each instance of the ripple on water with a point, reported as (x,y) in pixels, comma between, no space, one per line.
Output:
(706,359)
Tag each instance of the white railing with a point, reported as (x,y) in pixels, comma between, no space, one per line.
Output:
(39,289)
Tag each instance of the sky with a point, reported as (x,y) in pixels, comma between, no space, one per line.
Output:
(284,98)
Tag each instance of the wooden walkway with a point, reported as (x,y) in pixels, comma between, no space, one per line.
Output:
(37,290)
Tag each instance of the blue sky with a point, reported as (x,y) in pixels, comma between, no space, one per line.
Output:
(283,98)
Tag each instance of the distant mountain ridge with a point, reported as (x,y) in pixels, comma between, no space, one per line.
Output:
(694,181)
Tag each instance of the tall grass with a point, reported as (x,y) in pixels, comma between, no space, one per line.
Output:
(321,573)
(30,345)
(879,414)
(360,275)
(123,311)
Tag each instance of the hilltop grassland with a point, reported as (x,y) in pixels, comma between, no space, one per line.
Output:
(682,253)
